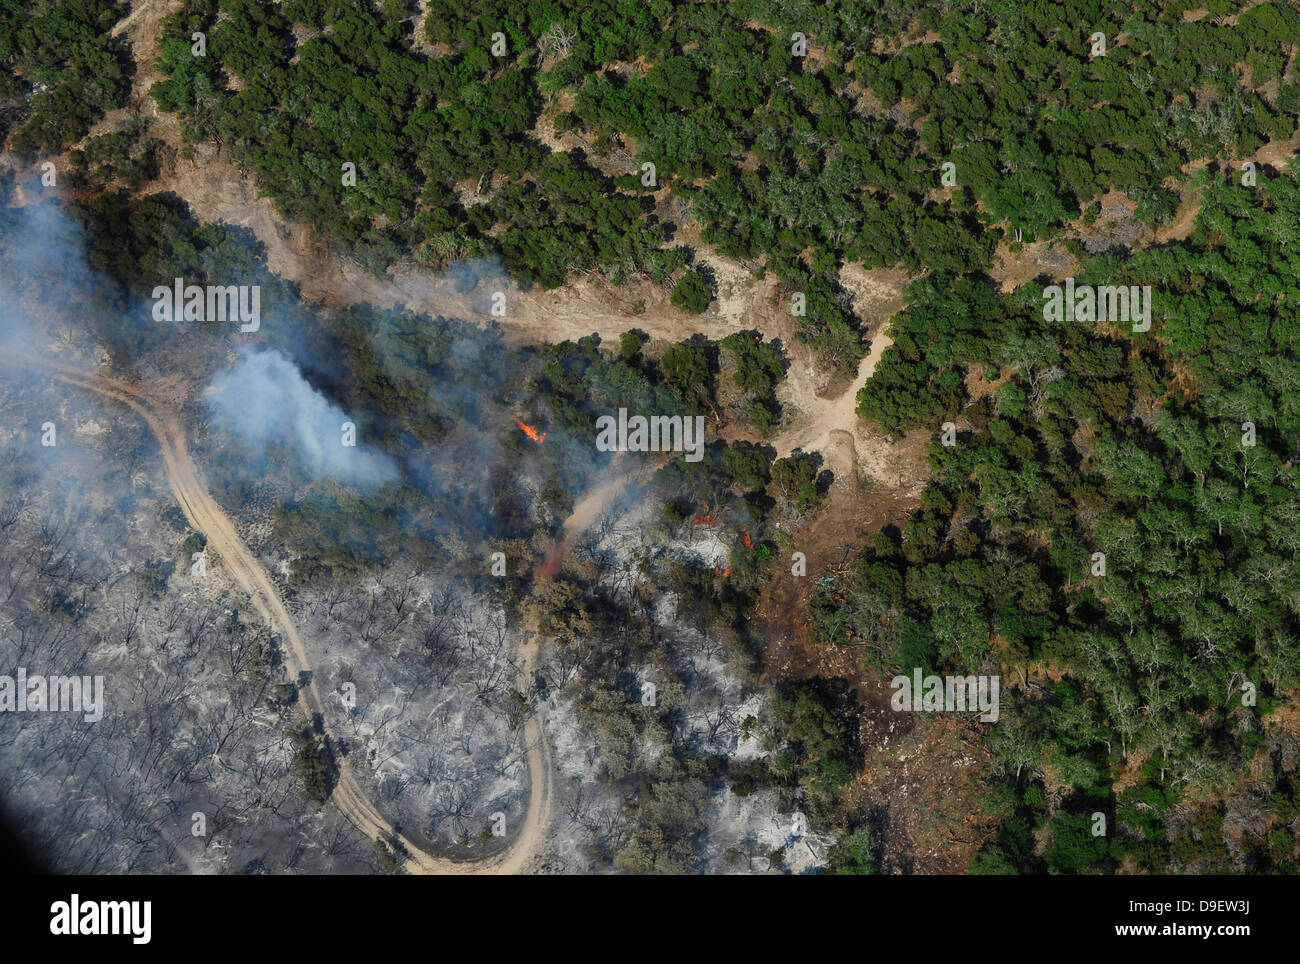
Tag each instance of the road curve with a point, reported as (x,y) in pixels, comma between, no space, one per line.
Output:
(207,517)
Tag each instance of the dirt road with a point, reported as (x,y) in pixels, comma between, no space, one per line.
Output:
(822,417)
(207,517)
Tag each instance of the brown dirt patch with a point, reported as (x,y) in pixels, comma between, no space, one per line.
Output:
(920,786)
(852,513)
(1013,268)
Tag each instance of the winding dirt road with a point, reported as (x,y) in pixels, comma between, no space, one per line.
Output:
(207,517)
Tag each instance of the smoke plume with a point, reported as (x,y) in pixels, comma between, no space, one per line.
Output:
(266,402)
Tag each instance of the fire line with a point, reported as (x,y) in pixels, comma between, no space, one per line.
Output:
(531,431)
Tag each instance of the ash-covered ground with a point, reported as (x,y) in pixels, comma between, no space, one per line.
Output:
(208,757)
(656,722)
(189,769)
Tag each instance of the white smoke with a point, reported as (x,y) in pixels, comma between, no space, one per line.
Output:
(265,400)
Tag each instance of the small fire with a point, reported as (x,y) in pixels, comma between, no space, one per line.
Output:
(531,431)
(745,540)
(726,572)
(706,519)
(551,564)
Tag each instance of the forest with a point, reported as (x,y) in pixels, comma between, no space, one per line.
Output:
(1109,518)
(799,155)
(60,72)
(1144,674)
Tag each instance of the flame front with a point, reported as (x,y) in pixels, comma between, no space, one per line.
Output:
(531,431)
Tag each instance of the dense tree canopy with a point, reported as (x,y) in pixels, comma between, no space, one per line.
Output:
(1172,453)
(60,71)
(800,159)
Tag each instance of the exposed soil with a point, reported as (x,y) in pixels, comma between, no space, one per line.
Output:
(1013,268)
(857,506)
(918,788)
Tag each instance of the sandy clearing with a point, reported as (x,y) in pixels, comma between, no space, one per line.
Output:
(823,417)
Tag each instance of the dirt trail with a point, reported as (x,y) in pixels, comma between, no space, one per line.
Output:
(143,28)
(207,517)
(217,190)
(588,509)
(540,768)
(823,417)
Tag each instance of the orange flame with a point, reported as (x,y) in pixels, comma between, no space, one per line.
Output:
(748,544)
(531,431)
(726,573)
(551,564)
